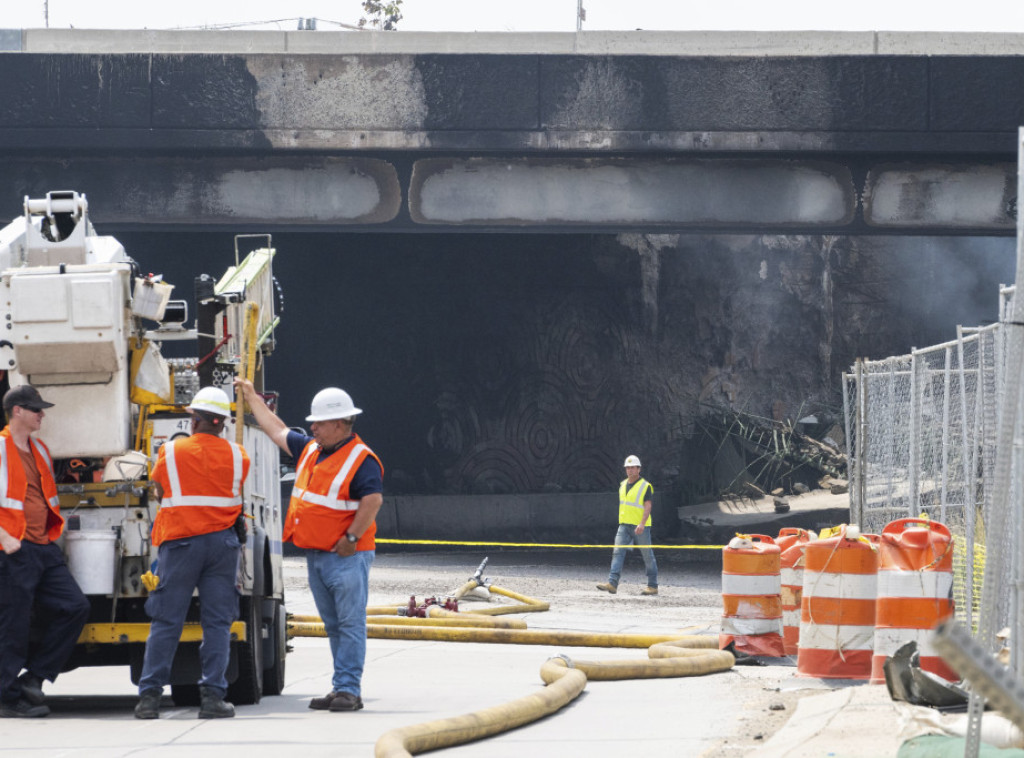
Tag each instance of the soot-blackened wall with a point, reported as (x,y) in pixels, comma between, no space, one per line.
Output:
(492,364)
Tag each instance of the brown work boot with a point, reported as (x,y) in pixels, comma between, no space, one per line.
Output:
(608,587)
(649,591)
(346,701)
(323,703)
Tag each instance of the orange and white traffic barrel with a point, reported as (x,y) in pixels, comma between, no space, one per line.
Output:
(837,608)
(790,535)
(792,542)
(915,592)
(751,596)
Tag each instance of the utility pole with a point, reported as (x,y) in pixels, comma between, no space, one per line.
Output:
(46,12)
(581,15)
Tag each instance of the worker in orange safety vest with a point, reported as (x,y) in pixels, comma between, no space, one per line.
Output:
(332,512)
(199,481)
(34,578)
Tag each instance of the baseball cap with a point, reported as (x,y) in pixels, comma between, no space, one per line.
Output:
(25,396)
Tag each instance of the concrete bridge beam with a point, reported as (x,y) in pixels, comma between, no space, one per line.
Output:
(552,193)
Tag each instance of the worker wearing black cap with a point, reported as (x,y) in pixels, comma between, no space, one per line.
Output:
(33,574)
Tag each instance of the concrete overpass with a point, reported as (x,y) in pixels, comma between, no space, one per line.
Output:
(720,220)
(794,132)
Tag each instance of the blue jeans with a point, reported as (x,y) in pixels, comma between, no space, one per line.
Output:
(625,536)
(341,587)
(209,562)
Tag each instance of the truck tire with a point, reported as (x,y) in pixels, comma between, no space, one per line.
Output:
(248,687)
(275,651)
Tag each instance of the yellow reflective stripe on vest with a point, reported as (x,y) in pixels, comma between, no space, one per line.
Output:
(631,506)
(206,501)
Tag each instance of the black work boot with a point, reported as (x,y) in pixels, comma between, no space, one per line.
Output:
(23,709)
(32,688)
(213,705)
(148,706)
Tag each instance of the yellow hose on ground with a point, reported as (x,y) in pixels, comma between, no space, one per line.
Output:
(527,604)
(379,610)
(465,621)
(435,617)
(565,679)
(516,636)
(403,628)
(437,613)
(432,735)
(389,631)
(690,656)
(668,656)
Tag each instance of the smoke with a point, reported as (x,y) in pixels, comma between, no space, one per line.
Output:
(938,283)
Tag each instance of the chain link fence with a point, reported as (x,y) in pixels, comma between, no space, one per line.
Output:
(921,431)
(941,432)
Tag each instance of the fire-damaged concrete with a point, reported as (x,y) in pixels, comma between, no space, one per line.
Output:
(525,191)
(791,129)
(527,256)
(229,191)
(504,377)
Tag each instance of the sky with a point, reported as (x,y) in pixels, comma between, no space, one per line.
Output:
(527,15)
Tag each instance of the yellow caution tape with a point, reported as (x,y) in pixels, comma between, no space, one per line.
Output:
(462,543)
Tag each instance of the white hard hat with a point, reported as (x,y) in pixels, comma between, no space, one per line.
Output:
(632,460)
(331,403)
(211,400)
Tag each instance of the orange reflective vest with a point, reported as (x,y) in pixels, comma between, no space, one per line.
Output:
(202,478)
(14,485)
(320,510)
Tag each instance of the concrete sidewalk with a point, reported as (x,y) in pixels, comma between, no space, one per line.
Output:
(763,711)
(859,721)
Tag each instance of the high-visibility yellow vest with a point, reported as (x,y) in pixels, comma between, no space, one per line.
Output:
(631,504)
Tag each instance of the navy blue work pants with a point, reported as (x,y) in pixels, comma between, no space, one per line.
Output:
(208,562)
(36,579)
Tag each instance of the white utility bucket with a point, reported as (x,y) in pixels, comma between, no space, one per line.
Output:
(91,559)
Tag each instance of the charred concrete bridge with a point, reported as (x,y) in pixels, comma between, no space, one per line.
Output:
(783,132)
(716,221)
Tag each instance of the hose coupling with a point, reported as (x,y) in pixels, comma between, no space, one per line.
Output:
(564,659)
(478,576)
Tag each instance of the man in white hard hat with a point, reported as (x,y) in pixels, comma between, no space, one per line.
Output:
(634,528)
(331,514)
(199,482)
